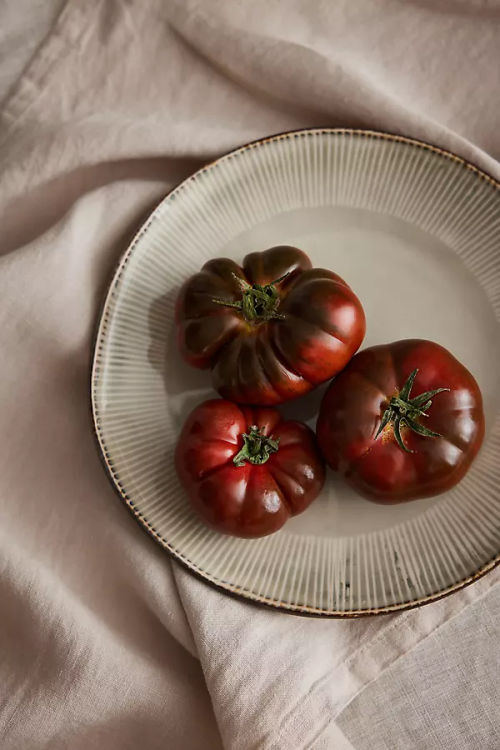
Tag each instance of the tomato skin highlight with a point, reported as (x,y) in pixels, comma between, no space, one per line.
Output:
(353,406)
(250,500)
(305,331)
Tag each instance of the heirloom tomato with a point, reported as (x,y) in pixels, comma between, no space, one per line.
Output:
(402,421)
(271,329)
(245,470)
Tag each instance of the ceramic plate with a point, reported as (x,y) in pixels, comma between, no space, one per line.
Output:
(415,231)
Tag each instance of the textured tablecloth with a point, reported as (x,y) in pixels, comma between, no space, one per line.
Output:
(104,642)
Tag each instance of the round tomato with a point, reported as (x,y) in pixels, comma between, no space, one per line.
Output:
(271,329)
(245,470)
(402,421)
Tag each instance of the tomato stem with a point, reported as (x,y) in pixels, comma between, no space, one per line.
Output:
(404,411)
(258,303)
(257,447)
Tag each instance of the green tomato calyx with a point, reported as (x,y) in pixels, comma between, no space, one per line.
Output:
(257,447)
(258,302)
(405,411)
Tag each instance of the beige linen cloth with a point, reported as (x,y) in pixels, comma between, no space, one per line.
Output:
(104,642)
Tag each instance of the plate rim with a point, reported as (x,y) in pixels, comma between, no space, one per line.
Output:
(99,329)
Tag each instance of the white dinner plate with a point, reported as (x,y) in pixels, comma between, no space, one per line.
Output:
(416,232)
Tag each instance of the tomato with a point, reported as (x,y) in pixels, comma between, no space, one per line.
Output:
(402,421)
(270,330)
(245,470)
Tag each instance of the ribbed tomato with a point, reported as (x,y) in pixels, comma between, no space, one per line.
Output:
(402,421)
(271,329)
(245,470)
